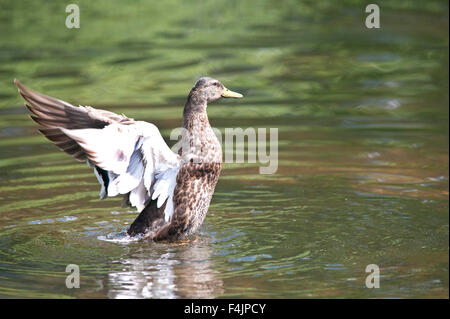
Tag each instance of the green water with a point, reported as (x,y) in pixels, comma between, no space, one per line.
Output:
(363,148)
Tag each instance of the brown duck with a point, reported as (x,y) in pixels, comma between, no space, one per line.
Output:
(171,191)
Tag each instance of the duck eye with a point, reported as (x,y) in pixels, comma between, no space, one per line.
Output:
(216,84)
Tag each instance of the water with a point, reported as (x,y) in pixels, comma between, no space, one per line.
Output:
(363,149)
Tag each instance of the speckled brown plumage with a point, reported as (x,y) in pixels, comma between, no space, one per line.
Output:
(195,187)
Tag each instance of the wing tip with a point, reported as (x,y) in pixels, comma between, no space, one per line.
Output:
(19,85)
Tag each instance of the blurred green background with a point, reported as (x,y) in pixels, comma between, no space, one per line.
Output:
(363,151)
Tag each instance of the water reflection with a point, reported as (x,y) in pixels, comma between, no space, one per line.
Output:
(173,271)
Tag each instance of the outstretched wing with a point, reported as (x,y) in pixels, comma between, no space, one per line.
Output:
(53,114)
(129,157)
(137,159)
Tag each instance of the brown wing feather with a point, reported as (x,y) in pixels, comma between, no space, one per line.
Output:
(52,114)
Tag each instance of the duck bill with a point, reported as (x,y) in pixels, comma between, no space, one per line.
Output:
(228,93)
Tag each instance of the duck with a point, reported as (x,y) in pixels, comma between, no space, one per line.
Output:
(171,190)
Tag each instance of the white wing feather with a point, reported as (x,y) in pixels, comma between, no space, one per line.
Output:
(137,159)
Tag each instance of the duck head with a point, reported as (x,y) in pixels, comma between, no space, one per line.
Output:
(206,90)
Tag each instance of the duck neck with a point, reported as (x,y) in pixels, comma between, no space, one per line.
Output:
(199,144)
(196,103)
